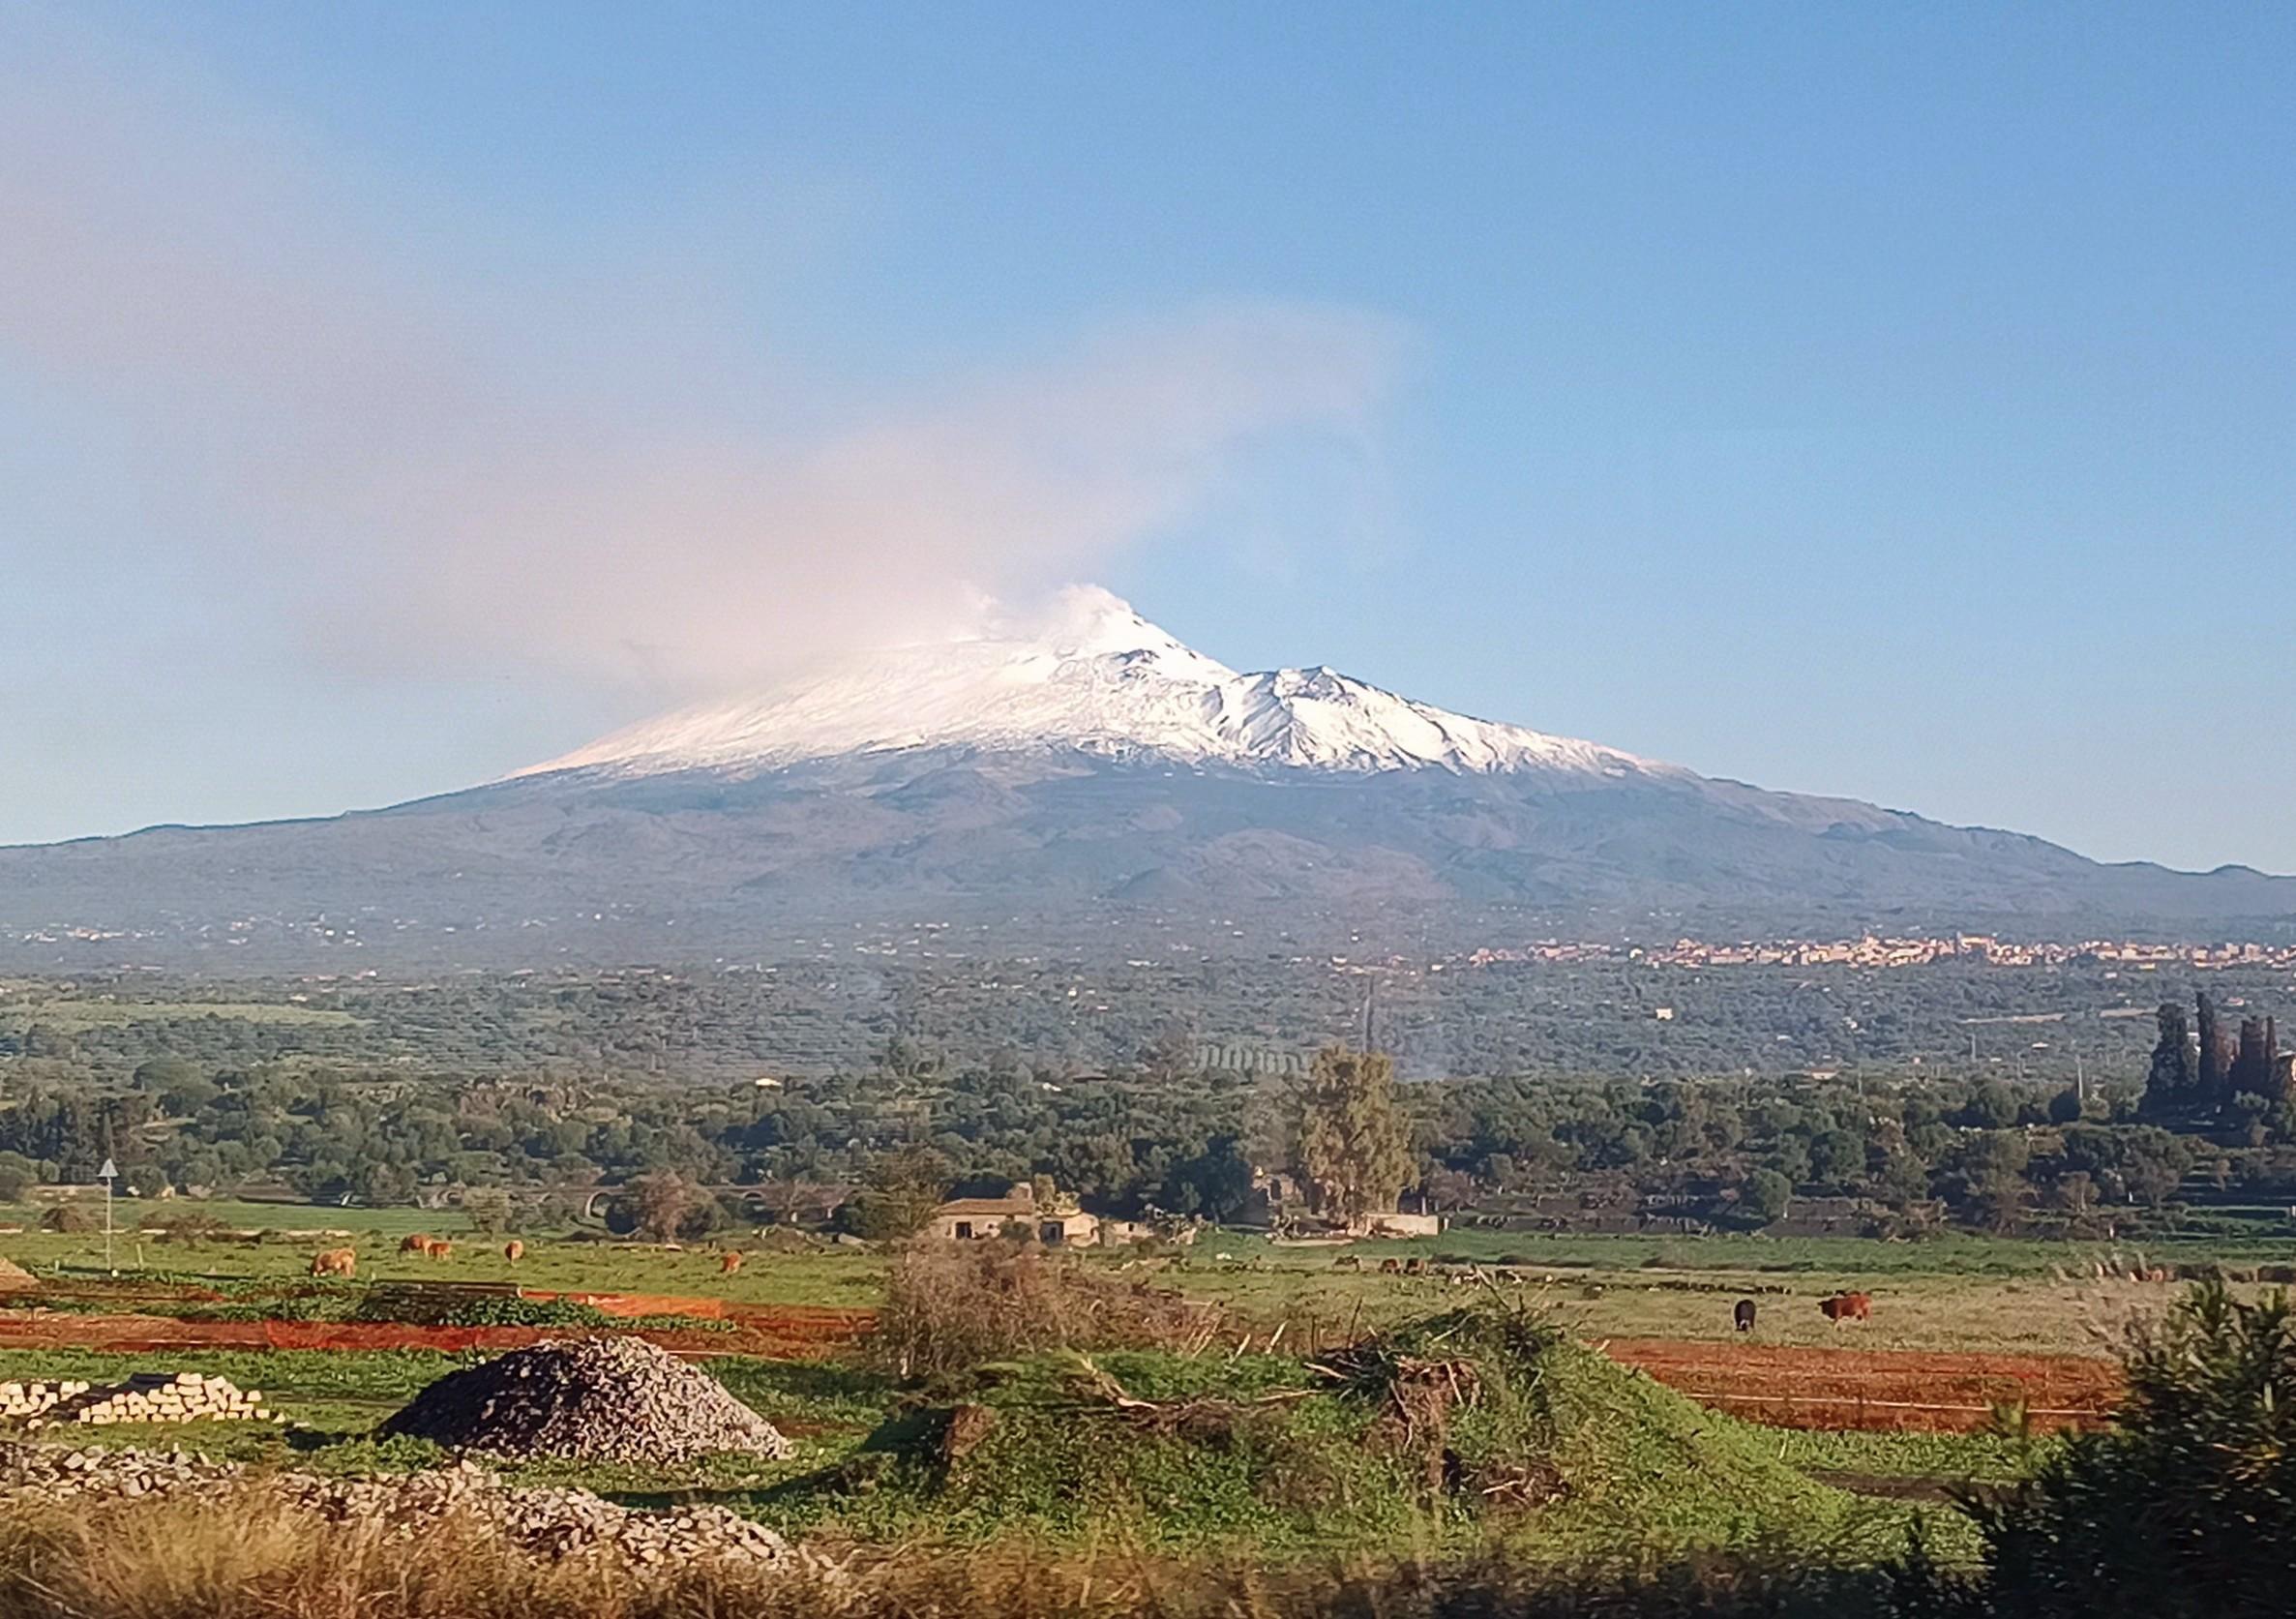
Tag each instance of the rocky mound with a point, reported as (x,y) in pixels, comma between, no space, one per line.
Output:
(593,1400)
(548,1523)
(14,1279)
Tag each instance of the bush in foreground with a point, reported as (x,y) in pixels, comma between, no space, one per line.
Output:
(2186,1506)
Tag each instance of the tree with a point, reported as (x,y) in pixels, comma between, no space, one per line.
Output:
(1837,1157)
(2074,1193)
(2065,1107)
(1216,1182)
(904,1188)
(2153,1165)
(489,1210)
(2171,1081)
(1985,1179)
(2251,1073)
(18,1175)
(1992,1107)
(1765,1197)
(661,1204)
(2216,1053)
(1354,1147)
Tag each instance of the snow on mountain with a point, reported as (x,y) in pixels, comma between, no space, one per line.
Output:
(1095,677)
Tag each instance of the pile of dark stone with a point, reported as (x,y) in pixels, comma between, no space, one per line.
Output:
(550,1523)
(588,1400)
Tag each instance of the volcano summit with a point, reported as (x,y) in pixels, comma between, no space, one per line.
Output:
(1097,679)
(1085,781)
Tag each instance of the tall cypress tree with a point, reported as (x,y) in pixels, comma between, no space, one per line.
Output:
(2215,1054)
(2168,1084)
(2251,1066)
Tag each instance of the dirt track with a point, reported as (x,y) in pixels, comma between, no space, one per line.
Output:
(1886,1391)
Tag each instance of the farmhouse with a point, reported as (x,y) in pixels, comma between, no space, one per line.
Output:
(1017,1211)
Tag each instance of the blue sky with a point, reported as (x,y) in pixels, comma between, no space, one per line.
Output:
(1889,402)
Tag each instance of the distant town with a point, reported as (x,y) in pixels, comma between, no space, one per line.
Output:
(1873,952)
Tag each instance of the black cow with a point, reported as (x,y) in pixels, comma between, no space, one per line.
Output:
(1744,1316)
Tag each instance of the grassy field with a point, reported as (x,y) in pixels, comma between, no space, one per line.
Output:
(824,1275)
(69,1015)
(1953,1292)
(1306,1478)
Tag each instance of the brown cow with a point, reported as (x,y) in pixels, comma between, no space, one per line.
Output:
(334,1262)
(514,1251)
(439,1248)
(417,1244)
(1390,1267)
(1847,1306)
(729,1262)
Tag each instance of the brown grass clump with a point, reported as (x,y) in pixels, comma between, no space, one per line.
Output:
(247,1558)
(951,1306)
(226,1560)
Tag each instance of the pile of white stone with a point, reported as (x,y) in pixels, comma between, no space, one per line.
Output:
(183,1396)
(549,1523)
(589,1399)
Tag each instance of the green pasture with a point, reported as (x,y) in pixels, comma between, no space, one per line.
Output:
(72,1014)
(1962,1292)
(813,1275)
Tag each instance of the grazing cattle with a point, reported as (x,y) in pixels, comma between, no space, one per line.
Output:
(1847,1306)
(514,1251)
(439,1248)
(1347,1262)
(1390,1267)
(1744,1316)
(417,1244)
(729,1262)
(1415,1267)
(334,1262)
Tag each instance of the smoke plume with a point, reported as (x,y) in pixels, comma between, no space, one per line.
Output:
(423,460)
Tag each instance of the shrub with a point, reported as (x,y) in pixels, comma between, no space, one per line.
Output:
(69,1219)
(949,1305)
(2188,1504)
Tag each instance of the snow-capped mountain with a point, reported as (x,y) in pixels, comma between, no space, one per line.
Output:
(1083,784)
(1094,677)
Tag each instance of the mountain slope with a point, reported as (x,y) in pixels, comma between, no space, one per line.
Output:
(1094,785)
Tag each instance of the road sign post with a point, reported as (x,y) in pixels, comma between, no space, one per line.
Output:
(109,1173)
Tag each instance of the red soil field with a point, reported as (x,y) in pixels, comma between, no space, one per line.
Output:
(1876,1390)
(773,1333)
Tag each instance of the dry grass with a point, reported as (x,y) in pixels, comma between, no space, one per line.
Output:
(225,1559)
(950,1305)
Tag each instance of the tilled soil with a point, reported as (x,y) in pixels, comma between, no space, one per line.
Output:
(1877,1391)
(769,1332)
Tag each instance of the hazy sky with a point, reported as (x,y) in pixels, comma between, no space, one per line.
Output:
(1892,402)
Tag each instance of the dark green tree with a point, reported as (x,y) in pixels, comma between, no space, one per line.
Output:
(1765,1197)
(2171,1081)
(2215,1054)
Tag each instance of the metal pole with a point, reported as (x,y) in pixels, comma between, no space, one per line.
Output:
(109,1173)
